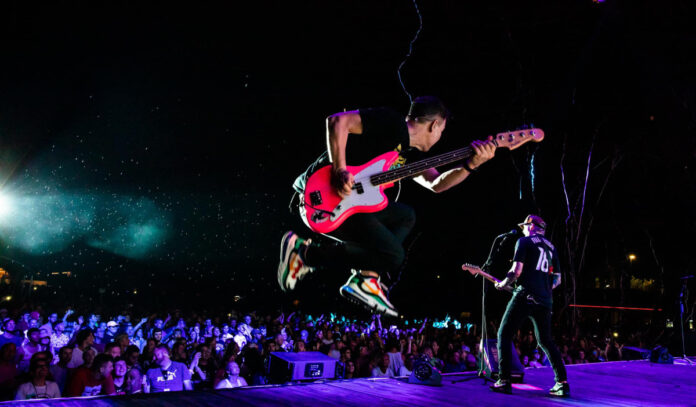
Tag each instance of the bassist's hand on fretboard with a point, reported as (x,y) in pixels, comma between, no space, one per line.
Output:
(484,151)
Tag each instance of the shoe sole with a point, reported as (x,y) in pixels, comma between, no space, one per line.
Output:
(351,295)
(559,395)
(286,245)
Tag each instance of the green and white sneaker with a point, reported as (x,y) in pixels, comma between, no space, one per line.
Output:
(560,390)
(292,268)
(368,292)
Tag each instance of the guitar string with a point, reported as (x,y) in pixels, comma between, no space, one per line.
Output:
(416,167)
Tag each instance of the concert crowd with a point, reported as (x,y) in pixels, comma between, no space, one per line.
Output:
(47,355)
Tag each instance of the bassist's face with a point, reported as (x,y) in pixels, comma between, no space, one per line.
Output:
(434,132)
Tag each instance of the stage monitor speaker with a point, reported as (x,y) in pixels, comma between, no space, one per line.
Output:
(661,355)
(425,373)
(490,362)
(289,366)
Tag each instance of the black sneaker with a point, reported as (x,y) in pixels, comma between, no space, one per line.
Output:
(560,390)
(501,386)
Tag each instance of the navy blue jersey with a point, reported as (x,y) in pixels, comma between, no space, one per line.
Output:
(538,255)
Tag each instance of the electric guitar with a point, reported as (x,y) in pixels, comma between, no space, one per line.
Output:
(323,210)
(476,270)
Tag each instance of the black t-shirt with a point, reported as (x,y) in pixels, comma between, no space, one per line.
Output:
(383,130)
(540,261)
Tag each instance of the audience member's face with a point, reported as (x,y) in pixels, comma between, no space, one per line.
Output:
(115,352)
(44,332)
(161,356)
(350,367)
(53,318)
(90,339)
(106,368)
(10,325)
(129,331)
(88,356)
(41,369)
(35,336)
(133,358)
(157,335)
(59,328)
(133,381)
(33,323)
(216,331)
(233,369)
(247,319)
(225,329)
(65,355)
(159,323)
(120,368)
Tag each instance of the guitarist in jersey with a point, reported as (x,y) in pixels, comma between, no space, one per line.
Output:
(536,271)
(371,244)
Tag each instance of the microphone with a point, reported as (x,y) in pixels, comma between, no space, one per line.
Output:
(513,232)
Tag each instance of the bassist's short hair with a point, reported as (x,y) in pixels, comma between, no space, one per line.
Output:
(425,108)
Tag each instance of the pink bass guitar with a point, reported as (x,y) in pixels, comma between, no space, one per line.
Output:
(324,210)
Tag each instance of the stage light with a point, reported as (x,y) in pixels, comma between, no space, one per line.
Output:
(8,298)
(631,257)
(616,334)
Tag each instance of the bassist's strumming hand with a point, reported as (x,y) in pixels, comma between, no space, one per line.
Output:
(343,181)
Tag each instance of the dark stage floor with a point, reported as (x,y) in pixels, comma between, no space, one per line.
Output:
(637,383)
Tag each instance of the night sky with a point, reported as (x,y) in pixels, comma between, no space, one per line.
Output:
(153,147)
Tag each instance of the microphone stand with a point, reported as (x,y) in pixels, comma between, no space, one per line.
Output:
(682,300)
(484,357)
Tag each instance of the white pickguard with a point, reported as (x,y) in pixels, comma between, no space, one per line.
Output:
(371,194)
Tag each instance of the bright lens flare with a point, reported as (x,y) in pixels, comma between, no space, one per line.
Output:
(5,205)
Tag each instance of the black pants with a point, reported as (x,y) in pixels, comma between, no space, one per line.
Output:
(518,309)
(368,241)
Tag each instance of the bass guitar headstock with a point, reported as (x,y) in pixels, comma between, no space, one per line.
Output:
(514,139)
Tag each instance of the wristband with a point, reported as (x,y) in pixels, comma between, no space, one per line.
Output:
(466,167)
